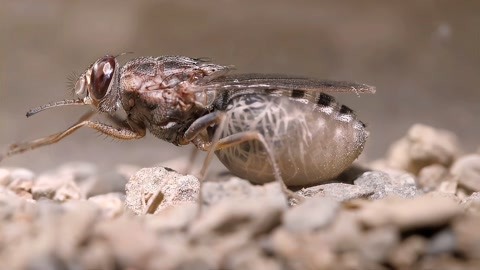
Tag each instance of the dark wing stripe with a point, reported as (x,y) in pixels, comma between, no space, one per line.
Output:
(325,100)
(345,110)
(298,93)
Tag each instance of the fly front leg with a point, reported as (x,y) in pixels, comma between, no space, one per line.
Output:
(197,134)
(122,133)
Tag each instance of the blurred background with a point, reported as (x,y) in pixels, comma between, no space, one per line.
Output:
(423,57)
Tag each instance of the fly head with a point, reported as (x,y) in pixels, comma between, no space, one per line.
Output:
(98,86)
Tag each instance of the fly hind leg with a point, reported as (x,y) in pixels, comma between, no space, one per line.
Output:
(217,119)
(246,136)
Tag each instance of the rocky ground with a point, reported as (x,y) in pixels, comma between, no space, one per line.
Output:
(418,208)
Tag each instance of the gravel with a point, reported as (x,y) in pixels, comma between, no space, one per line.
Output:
(422,213)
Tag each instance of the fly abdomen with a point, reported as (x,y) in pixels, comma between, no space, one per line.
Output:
(312,137)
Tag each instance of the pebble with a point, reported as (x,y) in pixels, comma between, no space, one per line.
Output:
(249,217)
(430,177)
(442,242)
(379,243)
(338,191)
(237,188)
(56,186)
(467,236)
(313,214)
(173,219)
(422,146)
(18,180)
(4,177)
(472,203)
(131,244)
(406,214)
(384,185)
(111,204)
(407,253)
(170,187)
(467,169)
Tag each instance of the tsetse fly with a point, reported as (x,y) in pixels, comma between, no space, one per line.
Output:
(261,127)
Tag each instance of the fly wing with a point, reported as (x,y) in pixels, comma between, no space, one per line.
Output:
(287,83)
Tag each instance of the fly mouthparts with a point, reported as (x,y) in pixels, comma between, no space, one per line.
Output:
(66,102)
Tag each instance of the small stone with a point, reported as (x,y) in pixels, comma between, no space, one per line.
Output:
(237,188)
(74,227)
(173,219)
(56,186)
(248,217)
(111,204)
(21,186)
(9,203)
(443,242)
(313,214)
(96,255)
(68,191)
(467,169)
(4,177)
(423,146)
(345,233)
(250,257)
(19,180)
(378,243)
(467,236)
(406,254)
(338,191)
(385,185)
(299,252)
(472,203)
(423,211)
(430,177)
(166,187)
(131,244)
(449,186)
(84,174)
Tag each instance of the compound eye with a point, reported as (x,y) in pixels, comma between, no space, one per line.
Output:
(101,77)
(80,87)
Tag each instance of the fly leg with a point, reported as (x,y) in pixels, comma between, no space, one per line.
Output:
(191,160)
(216,143)
(245,136)
(196,135)
(123,133)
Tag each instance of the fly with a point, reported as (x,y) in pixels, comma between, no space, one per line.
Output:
(261,127)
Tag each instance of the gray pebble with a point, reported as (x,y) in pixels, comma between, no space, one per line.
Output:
(338,191)
(385,185)
(442,242)
(313,214)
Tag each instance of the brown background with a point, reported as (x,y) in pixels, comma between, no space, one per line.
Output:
(423,56)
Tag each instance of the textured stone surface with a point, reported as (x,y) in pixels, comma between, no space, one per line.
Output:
(384,185)
(338,191)
(169,186)
(313,214)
